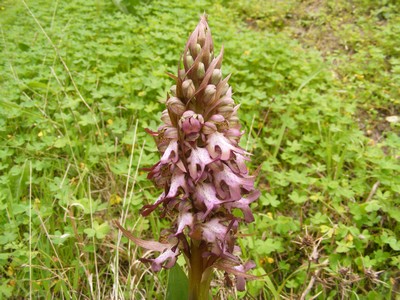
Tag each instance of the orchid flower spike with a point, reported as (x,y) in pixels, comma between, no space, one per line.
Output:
(202,170)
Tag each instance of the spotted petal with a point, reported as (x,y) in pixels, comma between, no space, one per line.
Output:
(213,230)
(178,181)
(198,159)
(147,209)
(243,204)
(171,153)
(219,146)
(240,278)
(206,194)
(233,181)
(238,164)
(167,259)
(184,219)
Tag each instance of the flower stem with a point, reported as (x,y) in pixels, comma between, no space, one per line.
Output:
(199,279)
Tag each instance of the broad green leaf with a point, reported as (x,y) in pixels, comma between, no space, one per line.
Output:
(178,285)
(102,230)
(90,232)
(269,199)
(296,198)
(373,205)
(61,142)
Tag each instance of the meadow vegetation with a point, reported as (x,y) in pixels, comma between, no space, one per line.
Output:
(319,88)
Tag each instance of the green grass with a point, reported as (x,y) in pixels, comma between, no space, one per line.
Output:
(317,82)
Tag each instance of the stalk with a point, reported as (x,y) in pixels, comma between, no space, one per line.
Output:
(199,281)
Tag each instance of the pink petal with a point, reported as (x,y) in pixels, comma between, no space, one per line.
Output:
(147,209)
(206,194)
(243,204)
(240,278)
(213,230)
(178,180)
(167,259)
(219,146)
(184,219)
(238,164)
(233,181)
(171,153)
(198,159)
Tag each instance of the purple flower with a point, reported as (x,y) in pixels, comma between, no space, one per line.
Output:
(202,169)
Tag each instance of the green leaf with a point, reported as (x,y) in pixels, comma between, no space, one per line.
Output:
(8,236)
(178,285)
(285,225)
(296,198)
(394,212)
(90,232)
(61,142)
(87,119)
(269,199)
(372,206)
(99,230)
(102,230)
(343,247)
(268,246)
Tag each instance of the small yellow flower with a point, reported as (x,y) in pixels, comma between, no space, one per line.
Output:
(267,259)
(110,121)
(349,238)
(40,134)
(270,260)
(115,199)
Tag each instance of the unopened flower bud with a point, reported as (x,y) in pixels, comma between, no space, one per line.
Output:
(224,89)
(165,117)
(201,37)
(225,111)
(217,118)
(173,90)
(209,128)
(200,70)
(176,106)
(182,74)
(209,93)
(216,76)
(211,57)
(191,124)
(225,100)
(233,120)
(196,51)
(188,88)
(189,60)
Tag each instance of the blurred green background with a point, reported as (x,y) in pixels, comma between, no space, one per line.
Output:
(319,88)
